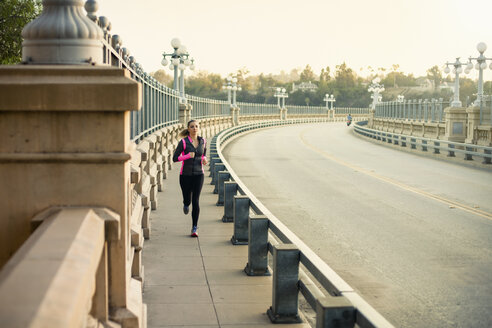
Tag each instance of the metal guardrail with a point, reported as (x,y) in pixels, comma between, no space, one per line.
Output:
(470,151)
(339,304)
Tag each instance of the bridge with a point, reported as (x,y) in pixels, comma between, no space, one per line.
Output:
(89,235)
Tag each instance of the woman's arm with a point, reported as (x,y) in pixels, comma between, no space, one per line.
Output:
(177,156)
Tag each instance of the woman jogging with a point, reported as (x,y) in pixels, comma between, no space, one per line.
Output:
(191,152)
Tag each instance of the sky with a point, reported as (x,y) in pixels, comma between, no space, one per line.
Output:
(268,36)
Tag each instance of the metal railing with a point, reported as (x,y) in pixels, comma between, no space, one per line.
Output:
(422,110)
(450,148)
(160,104)
(253,223)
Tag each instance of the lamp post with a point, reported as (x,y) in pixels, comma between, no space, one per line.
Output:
(231,86)
(180,59)
(281,93)
(457,71)
(400,99)
(376,89)
(329,99)
(481,64)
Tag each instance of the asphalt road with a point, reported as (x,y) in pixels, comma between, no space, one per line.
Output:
(412,235)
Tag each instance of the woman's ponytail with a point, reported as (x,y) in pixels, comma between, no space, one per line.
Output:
(184,133)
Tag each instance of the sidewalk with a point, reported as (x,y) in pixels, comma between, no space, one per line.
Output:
(199,281)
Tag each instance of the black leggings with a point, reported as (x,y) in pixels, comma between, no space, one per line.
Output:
(191,186)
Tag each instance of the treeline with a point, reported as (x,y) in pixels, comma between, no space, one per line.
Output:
(349,89)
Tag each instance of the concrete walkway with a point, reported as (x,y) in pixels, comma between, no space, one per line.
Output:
(199,281)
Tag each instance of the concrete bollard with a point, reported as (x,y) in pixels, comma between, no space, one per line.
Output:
(240,217)
(222,177)
(424,145)
(413,143)
(217,168)
(468,157)
(486,160)
(213,160)
(230,190)
(451,150)
(215,178)
(436,149)
(285,292)
(258,246)
(334,312)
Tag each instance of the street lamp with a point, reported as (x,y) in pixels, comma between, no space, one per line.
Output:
(457,71)
(231,85)
(281,93)
(481,64)
(180,59)
(329,99)
(376,89)
(399,100)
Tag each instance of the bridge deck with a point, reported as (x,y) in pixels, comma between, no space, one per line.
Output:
(199,281)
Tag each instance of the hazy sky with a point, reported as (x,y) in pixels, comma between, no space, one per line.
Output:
(273,35)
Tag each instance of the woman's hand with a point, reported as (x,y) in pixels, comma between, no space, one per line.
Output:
(192,154)
(205,161)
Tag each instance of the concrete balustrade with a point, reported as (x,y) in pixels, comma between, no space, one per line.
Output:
(69,245)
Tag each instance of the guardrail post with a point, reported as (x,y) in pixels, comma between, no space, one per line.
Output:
(486,160)
(450,150)
(424,145)
(222,177)
(285,291)
(258,246)
(334,312)
(230,190)
(240,210)
(217,167)
(215,178)
(436,149)
(468,157)
(213,160)
(413,143)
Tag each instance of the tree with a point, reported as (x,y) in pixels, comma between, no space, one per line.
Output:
(324,76)
(307,74)
(435,75)
(394,68)
(163,77)
(345,76)
(14,15)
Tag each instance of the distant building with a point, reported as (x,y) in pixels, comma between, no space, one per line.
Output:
(447,85)
(304,86)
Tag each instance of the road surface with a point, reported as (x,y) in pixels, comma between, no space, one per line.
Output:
(412,235)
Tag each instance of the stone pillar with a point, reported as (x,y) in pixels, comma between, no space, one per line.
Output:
(238,121)
(183,114)
(233,116)
(472,122)
(189,109)
(370,123)
(455,120)
(65,141)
